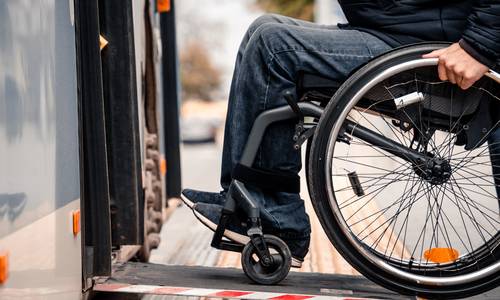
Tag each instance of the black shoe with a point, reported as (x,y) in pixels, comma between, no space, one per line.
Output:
(191,197)
(209,215)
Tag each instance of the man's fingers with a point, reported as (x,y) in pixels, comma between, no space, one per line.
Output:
(457,66)
(442,71)
(435,53)
(466,83)
(470,77)
(451,76)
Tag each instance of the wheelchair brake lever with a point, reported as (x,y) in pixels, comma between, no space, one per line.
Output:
(293,104)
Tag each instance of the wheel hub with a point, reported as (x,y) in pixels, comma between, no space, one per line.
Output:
(435,170)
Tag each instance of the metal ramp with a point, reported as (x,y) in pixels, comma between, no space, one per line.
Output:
(145,278)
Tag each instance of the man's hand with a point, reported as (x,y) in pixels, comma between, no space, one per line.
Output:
(457,66)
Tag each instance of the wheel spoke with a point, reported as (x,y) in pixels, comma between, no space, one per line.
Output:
(407,210)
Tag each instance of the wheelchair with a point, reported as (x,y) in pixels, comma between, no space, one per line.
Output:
(403,171)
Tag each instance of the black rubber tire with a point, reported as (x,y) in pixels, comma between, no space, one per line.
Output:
(275,274)
(319,196)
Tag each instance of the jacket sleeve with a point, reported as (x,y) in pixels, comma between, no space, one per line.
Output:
(481,38)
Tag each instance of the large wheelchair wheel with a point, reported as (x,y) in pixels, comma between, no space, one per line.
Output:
(404,173)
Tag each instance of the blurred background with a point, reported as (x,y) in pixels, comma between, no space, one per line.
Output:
(207,60)
(206,67)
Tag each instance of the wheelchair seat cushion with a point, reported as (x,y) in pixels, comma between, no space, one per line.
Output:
(310,81)
(320,88)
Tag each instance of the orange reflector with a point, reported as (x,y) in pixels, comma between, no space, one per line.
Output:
(163,5)
(163,166)
(441,255)
(4,266)
(76,222)
(102,42)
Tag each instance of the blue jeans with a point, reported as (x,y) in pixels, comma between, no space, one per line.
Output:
(273,52)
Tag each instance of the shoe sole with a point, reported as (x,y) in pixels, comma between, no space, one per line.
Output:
(186,201)
(233,236)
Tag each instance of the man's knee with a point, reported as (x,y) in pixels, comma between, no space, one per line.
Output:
(264,19)
(271,35)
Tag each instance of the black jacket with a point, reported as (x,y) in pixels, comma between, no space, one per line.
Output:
(475,23)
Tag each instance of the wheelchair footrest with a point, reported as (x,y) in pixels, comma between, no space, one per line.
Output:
(228,246)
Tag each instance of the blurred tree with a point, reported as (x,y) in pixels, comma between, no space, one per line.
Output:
(302,9)
(199,77)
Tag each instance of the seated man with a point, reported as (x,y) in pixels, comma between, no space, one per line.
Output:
(276,49)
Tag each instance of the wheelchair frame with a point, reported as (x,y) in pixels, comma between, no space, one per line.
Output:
(239,196)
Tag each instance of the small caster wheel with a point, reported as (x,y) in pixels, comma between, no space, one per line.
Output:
(274,272)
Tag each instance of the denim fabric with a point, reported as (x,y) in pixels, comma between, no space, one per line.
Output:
(273,52)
